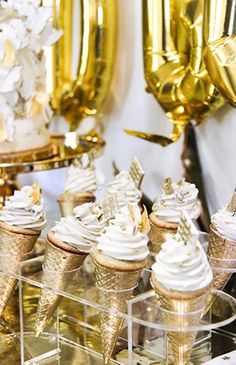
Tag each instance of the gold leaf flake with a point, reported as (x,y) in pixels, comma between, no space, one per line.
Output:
(145,224)
(9,59)
(167,186)
(35,193)
(3,136)
(36,107)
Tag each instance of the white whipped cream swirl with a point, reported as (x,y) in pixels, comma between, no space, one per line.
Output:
(81,180)
(19,210)
(181,266)
(122,238)
(184,198)
(124,188)
(81,230)
(225,223)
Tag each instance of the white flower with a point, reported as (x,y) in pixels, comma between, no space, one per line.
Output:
(49,36)
(15,31)
(25,29)
(23,7)
(9,78)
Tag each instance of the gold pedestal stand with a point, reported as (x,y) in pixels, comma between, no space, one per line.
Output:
(61,152)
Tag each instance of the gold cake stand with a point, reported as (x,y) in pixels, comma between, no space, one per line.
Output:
(61,152)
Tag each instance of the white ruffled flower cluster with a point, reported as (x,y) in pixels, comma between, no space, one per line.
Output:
(25,29)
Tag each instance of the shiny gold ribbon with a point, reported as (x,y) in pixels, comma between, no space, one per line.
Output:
(174,67)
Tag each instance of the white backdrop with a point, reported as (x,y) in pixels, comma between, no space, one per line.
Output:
(129,106)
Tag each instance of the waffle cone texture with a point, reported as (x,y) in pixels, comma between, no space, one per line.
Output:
(68,201)
(181,309)
(220,248)
(15,243)
(59,269)
(160,231)
(116,281)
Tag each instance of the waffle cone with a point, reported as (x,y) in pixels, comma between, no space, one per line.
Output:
(15,243)
(172,302)
(220,248)
(68,201)
(58,271)
(159,233)
(116,282)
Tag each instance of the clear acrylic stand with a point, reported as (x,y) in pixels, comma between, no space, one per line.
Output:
(73,335)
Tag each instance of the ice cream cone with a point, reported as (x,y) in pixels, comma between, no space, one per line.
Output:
(221,251)
(59,267)
(116,280)
(15,243)
(68,201)
(160,231)
(181,309)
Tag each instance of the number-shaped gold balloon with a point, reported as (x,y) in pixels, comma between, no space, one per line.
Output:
(83,96)
(173,63)
(220,51)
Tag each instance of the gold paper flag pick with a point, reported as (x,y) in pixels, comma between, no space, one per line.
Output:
(186,230)
(167,186)
(232,204)
(136,172)
(109,207)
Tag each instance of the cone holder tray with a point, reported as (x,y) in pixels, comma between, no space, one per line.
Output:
(61,152)
(73,335)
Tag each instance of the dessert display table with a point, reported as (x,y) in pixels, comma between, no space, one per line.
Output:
(73,336)
(64,149)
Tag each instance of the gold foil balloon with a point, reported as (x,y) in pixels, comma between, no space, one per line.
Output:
(96,64)
(173,64)
(84,95)
(220,50)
